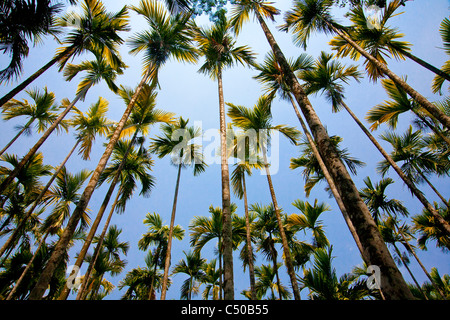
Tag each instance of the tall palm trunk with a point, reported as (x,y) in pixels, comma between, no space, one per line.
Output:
(419,195)
(65,293)
(36,202)
(275,265)
(251,266)
(27,268)
(427,105)
(329,179)
(27,125)
(62,244)
(393,284)
(287,252)
(39,143)
(35,75)
(228,282)
(169,241)
(83,292)
(426,65)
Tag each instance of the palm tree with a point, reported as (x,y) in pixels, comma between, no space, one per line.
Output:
(158,234)
(139,280)
(192,266)
(183,153)
(158,48)
(220,52)
(389,111)
(211,280)
(429,229)
(356,209)
(266,226)
(309,220)
(204,229)
(130,165)
(444,30)
(108,260)
(244,166)
(323,283)
(416,163)
(266,275)
(312,171)
(88,125)
(22,21)
(97,70)
(271,75)
(95,30)
(43,110)
(63,195)
(376,199)
(259,119)
(308,16)
(378,39)
(378,203)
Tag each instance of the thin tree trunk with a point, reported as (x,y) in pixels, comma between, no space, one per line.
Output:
(65,293)
(25,271)
(34,76)
(287,253)
(16,231)
(83,293)
(419,195)
(329,179)
(151,295)
(275,266)
(251,267)
(426,65)
(434,189)
(38,144)
(409,270)
(228,282)
(17,136)
(169,241)
(427,105)
(57,255)
(393,284)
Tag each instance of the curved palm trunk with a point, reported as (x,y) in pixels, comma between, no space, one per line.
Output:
(83,292)
(27,125)
(39,143)
(151,292)
(19,227)
(228,282)
(65,293)
(427,105)
(426,65)
(35,75)
(25,271)
(169,241)
(329,179)
(251,267)
(287,252)
(57,255)
(419,195)
(393,284)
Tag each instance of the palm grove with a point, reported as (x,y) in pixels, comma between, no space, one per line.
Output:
(45,209)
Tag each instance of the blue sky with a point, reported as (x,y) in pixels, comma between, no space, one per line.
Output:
(194,96)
